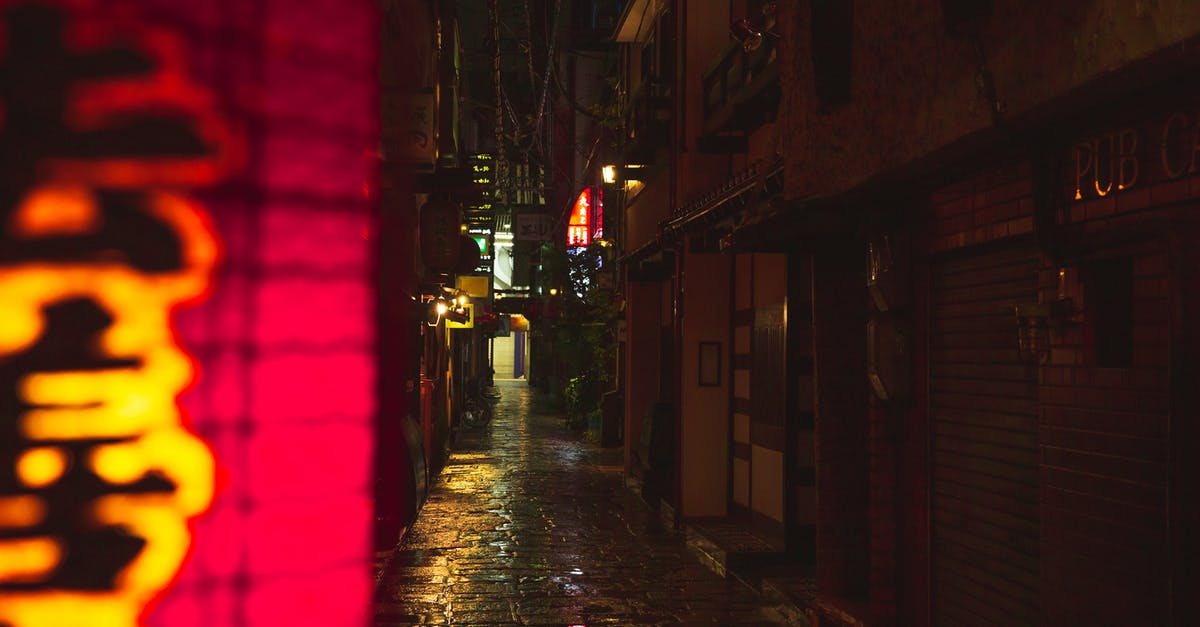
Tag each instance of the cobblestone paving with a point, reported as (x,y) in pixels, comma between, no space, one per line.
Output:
(530,525)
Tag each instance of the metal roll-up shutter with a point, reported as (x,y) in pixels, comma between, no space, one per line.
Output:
(983,399)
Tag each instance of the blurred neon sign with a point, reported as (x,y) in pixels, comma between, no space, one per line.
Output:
(99,476)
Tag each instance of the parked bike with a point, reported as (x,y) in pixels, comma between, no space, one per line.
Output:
(477,409)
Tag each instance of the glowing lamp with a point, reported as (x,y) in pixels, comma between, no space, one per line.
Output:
(554,291)
(610,174)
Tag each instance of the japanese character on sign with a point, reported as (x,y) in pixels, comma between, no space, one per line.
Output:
(99,476)
(533,227)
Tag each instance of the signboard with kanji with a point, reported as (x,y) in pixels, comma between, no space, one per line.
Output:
(419,113)
(171,356)
(579,227)
(100,242)
(532,227)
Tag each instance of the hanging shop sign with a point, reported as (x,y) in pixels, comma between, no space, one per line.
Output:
(415,114)
(483,237)
(100,478)
(440,231)
(533,227)
(1164,149)
(579,225)
(476,286)
(480,209)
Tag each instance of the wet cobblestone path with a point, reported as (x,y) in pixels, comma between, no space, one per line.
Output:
(529,524)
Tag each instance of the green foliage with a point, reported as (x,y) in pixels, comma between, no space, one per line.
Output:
(608,116)
(583,336)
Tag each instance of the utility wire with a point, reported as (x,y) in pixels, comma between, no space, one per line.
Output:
(549,66)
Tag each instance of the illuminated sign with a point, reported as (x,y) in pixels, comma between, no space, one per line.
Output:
(482,235)
(99,476)
(475,285)
(481,213)
(579,226)
(1165,148)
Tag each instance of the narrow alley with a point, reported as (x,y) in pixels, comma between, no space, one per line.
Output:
(530,524)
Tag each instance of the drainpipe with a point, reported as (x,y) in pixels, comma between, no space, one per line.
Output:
(679,104)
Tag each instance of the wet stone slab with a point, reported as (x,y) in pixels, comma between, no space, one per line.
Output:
(529,524)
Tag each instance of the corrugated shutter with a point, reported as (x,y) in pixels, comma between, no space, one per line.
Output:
(985,468)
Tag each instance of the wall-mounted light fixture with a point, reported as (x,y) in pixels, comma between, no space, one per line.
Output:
(879,266)
(435,308)
(612,174)
(751,31)
(1040,323)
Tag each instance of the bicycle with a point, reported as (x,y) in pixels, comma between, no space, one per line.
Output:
(476,410)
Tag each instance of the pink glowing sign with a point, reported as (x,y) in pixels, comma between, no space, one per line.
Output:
(216,456)
(579,226)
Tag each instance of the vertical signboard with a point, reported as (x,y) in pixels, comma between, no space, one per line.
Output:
(484,238)
(479,209)
(579,229)
(101,240)
(480,213)
(180,444)
(417,113)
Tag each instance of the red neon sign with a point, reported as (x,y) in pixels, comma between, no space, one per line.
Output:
(579,226)
(102,456)
(100,475)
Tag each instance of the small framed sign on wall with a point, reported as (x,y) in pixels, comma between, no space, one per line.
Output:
(710,364)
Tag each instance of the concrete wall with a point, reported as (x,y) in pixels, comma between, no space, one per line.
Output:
(914,90)
(705,409)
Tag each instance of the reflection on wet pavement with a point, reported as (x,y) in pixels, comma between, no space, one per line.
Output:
(530,525)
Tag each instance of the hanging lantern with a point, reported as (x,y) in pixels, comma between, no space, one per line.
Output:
(440,229)
(468,255)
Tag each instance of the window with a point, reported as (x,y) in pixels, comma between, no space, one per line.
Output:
(1108,302)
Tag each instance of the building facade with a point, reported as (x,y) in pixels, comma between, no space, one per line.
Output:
(952,328)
